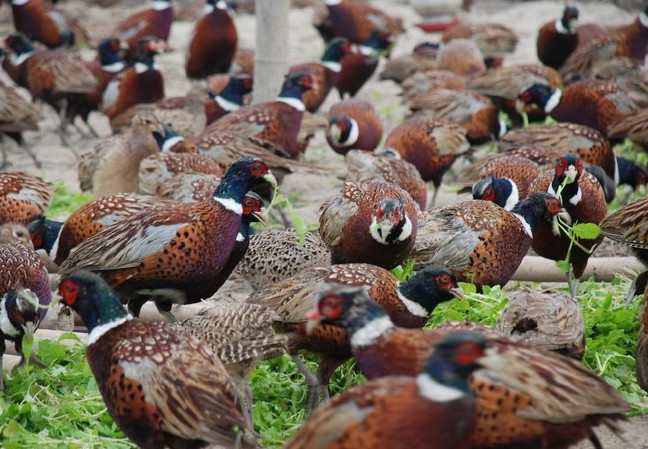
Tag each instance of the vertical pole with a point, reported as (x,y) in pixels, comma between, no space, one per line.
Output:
(271,53)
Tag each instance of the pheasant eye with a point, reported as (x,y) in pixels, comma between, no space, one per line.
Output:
(467,352)
(330,307)
(69,291)
(445,282)
(258,169)
(489,194)
(37,239)
(380,214)
(553,205)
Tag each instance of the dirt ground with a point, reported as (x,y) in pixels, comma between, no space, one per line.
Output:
(59,162)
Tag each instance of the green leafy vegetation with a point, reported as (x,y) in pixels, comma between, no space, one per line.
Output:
(66,202)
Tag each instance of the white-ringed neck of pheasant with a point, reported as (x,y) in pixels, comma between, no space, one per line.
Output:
(344,130)
(45,234)
(453,360)
(18,308)
(98,305)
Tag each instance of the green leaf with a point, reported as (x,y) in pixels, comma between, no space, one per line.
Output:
(563,265)
(586,230)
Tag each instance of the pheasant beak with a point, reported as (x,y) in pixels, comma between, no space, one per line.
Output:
(314,319)
(458,293)
(563,216)
(261,216)
(123,45)
(571,174)
(29,328)
(270,178)
(519,106)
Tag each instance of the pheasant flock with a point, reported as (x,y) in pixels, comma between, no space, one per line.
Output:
(180,181)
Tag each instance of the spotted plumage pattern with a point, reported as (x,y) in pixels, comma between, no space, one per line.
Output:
(586,56)
(473,238)
(93,217)
(275,255)
(188,187)
(475,112)
(402,412)
(590,145)
(372,222)
(494,40)
(277,122)
(594,103)
(23,197)
(550,320)
(161,385)
(431,145)
(364,166)
(523,171)
(157,168)
(21,266)
(177,250)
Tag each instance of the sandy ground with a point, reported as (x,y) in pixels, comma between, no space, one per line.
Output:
(59,162)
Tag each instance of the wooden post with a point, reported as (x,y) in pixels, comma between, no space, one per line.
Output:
(271,53)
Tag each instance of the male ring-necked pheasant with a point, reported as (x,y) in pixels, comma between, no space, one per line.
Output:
(172,254)
(517,404)
(162,386)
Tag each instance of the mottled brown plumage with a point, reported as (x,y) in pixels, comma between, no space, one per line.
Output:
(372,222)
(409,304)
(277,122)
(355,21)
(403,412)
(16,115)
(42,21)
(473,111)
(400,68)
(154,21)
(430,80)
(462,57)
(479,240)
(633,126)
(274,255)
(503,85)
(549,319)
(158,168)
(23,197)
(494,40)
(628,74)
(112,165)
(629,226)
(517,402)
(431,145)
(590,145)
(85,222)
(385,166)
(593,103)
(166,253)
(162,386)
(521,170)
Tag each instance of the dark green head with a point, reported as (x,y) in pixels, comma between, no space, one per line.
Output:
(430,287)
(92,298)
(455,358)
